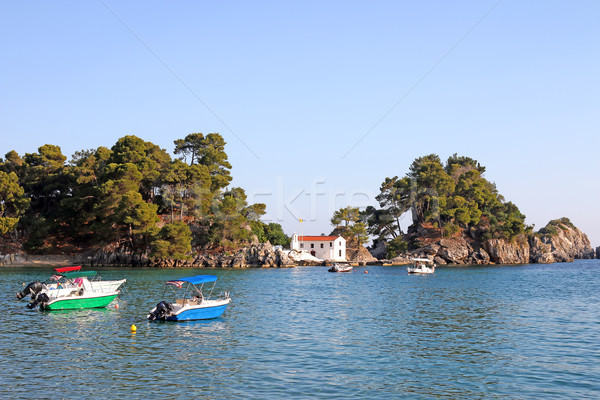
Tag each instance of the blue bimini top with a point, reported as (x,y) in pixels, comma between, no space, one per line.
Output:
(194,280)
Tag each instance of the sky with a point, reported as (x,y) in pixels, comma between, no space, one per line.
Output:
(318,101)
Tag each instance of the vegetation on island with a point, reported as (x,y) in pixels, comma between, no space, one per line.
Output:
(133,194)
(554,226)
(444,200)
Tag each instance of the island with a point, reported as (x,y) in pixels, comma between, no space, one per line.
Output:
(134,205)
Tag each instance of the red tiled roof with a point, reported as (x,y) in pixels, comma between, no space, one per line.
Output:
(317,238)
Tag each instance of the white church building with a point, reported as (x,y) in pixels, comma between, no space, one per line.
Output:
(323,247)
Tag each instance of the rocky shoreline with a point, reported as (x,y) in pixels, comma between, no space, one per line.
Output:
(560,242)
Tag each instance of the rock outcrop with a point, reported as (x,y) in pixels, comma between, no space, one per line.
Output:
(540,252)
(359,254)
(9,259)
(560,241)
(508,252)
(462,250)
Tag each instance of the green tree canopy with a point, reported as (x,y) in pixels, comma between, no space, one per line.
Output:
(173,241)
(447,197)
(208,151)
(13,202)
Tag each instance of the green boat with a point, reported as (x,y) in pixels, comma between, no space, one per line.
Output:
(71,303)
(78,292)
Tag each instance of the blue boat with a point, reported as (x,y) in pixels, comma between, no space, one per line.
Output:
(190,303)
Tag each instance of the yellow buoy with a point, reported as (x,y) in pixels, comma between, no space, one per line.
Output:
(133,328)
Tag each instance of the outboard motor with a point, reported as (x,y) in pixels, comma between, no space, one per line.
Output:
(40,299)
(161,311)
(31,289)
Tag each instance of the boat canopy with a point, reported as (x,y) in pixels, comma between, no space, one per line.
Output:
(67,269)
(78,274)
(194,280)
(422,259)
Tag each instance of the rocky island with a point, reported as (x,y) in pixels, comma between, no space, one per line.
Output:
(133,205)
(559,241)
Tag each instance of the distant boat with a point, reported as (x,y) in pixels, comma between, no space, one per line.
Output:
(421,266)
(190,302)
(72,290)
(339,268)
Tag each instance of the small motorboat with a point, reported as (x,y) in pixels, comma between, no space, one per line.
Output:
(340,268)
(64,279)
(190,302)
(421,266)
(72,290)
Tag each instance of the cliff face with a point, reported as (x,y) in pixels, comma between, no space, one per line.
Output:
(505,252)
(559,241)
(461,250)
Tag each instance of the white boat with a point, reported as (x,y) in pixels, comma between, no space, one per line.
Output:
(190,303)
(340,268)
(72,289)
(421,266)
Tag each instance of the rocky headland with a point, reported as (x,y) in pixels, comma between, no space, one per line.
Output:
(559,241)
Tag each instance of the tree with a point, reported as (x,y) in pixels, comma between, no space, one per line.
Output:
(275,235)
(358,234)
(13,163)
(395,247)
(433,184)
(208,151)
(43,179)
(150,160)
(457,165)
(344,217)
(380,223)
(173,241)
(13,202)
(346,222)
(121,211)
(395,198)
(84,174)
(272,233)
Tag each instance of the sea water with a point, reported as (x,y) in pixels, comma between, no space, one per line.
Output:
(493,332)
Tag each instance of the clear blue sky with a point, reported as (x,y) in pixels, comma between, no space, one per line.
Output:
(320,101)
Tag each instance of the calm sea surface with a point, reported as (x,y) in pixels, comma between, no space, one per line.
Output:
(516,332)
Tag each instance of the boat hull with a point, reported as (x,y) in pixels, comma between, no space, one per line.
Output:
(421,270)
(79,303)
(194,313)
(199,311)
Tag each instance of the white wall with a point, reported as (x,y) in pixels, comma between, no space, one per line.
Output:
(334,250)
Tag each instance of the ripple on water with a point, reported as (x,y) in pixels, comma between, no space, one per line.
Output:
(491,332)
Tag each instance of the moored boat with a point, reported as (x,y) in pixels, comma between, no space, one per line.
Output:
(190,302)
(64,281)
(340,268)
(71,289)
(421,266)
